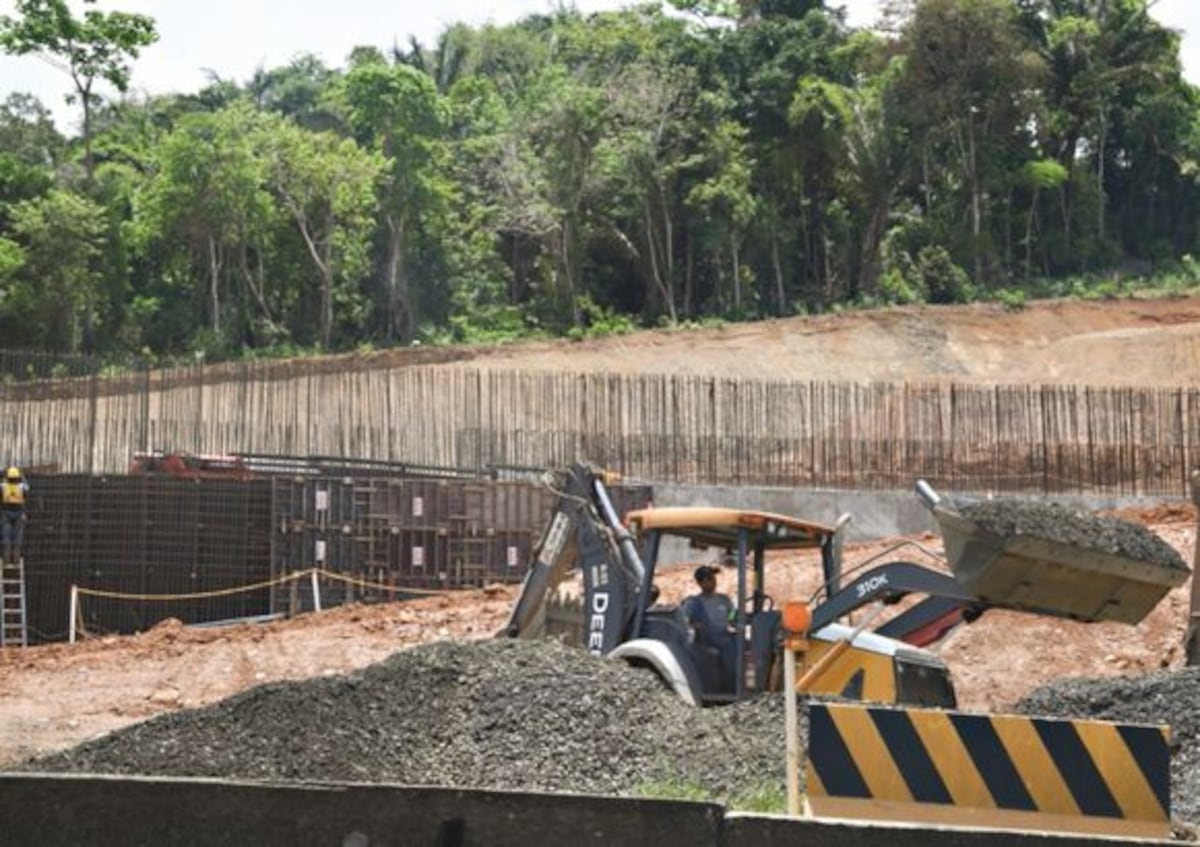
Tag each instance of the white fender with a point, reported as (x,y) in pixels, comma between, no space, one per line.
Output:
(661,660)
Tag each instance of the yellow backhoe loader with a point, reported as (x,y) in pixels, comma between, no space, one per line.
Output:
(887,664)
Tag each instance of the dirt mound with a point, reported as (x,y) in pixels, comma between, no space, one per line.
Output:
(1171,697)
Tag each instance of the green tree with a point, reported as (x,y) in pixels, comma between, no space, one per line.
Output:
(51,300)
(969,74)
(326,185)
(1115,102)
(397,111)
(97,46)
(209,194)
(30,147)
(721,200)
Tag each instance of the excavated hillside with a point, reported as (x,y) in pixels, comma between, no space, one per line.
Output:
(1107,342)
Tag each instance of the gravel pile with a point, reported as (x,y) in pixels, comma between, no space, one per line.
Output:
(495,714)
(1170,697)
(541,716)
(1056,522)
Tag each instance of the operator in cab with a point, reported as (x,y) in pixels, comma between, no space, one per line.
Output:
(710,615)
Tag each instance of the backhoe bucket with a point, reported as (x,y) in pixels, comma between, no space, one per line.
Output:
(1049,577)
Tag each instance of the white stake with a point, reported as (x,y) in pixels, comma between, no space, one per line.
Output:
(73,613)
(316,589)
(791,729)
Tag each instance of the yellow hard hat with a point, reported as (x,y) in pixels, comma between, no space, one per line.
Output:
(13,473)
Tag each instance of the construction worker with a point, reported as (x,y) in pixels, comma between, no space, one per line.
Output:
(13,495)
(710,614)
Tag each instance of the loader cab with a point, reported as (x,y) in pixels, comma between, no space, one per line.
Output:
(744,537)
(867,666)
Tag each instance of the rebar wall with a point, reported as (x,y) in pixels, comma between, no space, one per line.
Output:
(371,537)
(145,535)
(1054,438)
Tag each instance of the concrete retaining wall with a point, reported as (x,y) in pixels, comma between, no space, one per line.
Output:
(777,831)
(67,810)
(102,811)
(877,514)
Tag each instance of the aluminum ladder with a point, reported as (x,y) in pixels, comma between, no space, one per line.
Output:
(14,630)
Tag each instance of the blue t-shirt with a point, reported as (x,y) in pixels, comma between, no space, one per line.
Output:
(712,613)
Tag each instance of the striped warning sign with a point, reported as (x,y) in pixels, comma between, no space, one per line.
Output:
(988,770)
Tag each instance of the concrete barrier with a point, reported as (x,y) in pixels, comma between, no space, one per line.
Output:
(1001,771)
(777,831)
(110,811)
(126,811)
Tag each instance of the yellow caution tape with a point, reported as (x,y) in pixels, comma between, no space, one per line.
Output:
(364,584)
(258,586)
(223,592)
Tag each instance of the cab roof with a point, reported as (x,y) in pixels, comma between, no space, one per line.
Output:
(714,527)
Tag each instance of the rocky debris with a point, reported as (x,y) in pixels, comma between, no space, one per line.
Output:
(1165,697)
(493,714)
(1056,522)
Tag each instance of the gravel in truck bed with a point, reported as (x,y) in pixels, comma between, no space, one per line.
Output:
(1056,522)
(1164,697)
(493,714)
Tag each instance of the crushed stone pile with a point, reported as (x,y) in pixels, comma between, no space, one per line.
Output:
(492,714)
(538,715)
(1056,522)
(1163,697)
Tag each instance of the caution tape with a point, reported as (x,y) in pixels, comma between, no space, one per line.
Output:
(199,595)
(362,583)
(258,586)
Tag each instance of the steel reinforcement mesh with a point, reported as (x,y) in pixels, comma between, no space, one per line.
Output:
(145,535)
(385,535)
(120,538)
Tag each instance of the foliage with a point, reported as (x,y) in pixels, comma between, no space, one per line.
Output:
(97,46)
(581,174)
(674,789)
(941,279)
(1012,299)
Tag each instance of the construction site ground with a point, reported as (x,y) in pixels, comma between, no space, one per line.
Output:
(55,696)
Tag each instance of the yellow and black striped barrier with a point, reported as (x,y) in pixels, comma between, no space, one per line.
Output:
(1000,771)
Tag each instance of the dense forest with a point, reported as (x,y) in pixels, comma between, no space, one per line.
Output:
(575,173)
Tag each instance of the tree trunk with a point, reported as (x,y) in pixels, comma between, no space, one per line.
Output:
(737,273)
(662,285)
(214,283)
(689,277)
(668,248)
(868,276)
(1029,233)
(1100,195)
(976,208)
(396,281)
(777,267)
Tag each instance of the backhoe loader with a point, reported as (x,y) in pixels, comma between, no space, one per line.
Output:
(621,618)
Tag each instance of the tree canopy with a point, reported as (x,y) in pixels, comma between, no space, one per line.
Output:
(573,173)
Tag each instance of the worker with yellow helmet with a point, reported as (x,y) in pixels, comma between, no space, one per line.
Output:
(13,493)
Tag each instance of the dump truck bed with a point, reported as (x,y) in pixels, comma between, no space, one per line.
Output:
(1027,572)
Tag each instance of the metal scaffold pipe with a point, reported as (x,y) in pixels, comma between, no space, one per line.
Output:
(1191,644)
